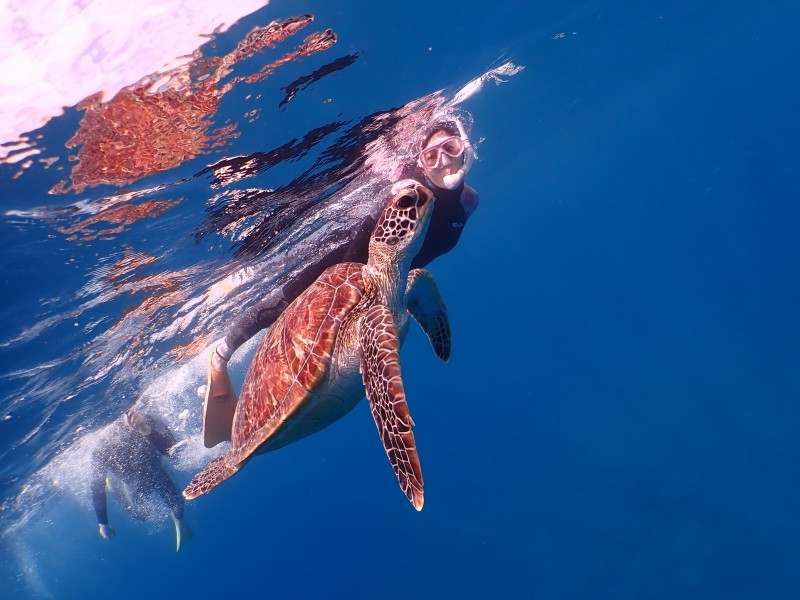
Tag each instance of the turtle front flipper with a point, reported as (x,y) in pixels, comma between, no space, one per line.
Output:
(380,368)
(425,304)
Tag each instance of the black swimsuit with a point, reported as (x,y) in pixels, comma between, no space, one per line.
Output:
(447,223)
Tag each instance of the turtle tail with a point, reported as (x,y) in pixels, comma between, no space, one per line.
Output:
(215,472)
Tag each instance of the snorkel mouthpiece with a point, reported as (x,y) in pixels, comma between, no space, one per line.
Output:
(453,180)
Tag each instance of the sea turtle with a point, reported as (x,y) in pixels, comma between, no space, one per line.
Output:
(341,336)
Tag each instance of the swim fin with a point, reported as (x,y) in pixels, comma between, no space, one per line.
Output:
(182,532)
(219,406)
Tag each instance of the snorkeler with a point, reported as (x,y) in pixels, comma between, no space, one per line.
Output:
(443,160)
(131,455)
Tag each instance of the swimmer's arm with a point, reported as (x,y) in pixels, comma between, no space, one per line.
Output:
(469,200)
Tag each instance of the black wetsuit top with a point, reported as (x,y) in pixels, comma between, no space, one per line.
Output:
(135,460)
(445,229)
(447,222)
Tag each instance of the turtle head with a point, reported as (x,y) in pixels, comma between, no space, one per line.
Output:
(402,226)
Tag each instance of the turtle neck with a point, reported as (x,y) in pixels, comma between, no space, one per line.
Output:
(447,222)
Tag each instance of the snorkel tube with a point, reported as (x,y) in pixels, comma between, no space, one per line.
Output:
(453,180)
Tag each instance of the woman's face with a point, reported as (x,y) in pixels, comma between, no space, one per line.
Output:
(447,165)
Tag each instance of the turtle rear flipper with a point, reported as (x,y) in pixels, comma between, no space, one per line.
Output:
(215,472)
(380,368)
(425,304)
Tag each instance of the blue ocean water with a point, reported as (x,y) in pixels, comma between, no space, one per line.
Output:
(618,419)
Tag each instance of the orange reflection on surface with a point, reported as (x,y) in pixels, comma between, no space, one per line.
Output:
(191,348)
(265,37)
(121,216)
(128,264)
(316,42)
(138,133)
(141,131)
(166,288)
(153,303)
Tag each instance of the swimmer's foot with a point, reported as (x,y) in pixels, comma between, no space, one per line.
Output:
(182,532)
(219,404)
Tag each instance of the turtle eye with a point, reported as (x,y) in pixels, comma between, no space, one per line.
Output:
(406,201)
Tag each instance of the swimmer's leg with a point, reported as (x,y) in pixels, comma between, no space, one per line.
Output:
(219,404)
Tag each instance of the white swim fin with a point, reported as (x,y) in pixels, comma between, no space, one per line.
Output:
(182,532)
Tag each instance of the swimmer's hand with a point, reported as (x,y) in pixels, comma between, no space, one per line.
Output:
(105,531)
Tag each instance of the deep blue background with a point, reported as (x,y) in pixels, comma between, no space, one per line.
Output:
(619,418)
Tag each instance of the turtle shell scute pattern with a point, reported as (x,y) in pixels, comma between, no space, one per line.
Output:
(295,355)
